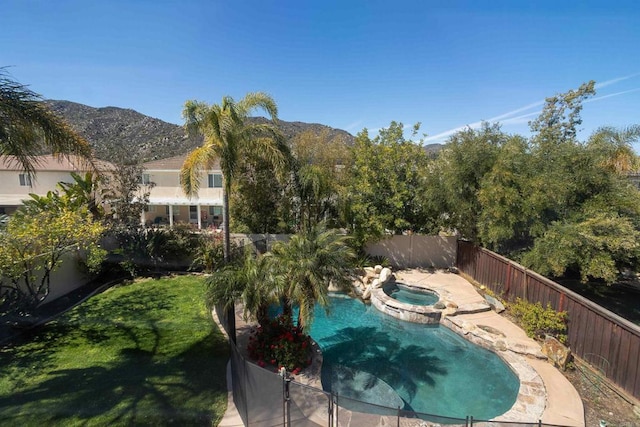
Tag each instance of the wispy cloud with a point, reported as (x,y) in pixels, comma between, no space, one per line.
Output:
(598,98)
(614,81)
(353,126)
(506,118)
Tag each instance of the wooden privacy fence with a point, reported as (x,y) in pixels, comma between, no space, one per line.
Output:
(608,342)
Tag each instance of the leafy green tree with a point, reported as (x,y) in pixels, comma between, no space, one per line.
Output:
(32,248)
(260,198)
(228,136)
(384,182)
(597,246)
(455,179)
(304,267)
(319,176)
(128,196)
(559,120)
(28,128)
(506,220)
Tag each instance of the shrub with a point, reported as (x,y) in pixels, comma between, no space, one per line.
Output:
(281,344)
(538,321)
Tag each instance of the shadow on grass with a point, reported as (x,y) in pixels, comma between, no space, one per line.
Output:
(160,372)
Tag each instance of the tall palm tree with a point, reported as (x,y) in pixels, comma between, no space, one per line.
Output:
(307,264)
(28,128)
(228,135)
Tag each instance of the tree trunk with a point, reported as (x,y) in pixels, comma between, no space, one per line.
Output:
(231,311)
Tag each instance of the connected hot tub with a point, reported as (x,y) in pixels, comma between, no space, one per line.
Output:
(406,302)
(408,294)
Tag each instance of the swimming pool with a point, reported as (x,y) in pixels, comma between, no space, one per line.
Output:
(370,356)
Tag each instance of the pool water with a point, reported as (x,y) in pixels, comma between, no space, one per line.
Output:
(408,295)
(373,357)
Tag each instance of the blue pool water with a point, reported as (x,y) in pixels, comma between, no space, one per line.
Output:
(409,295)
(429,369)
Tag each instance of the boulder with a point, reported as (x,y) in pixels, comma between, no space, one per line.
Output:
(385,275)
(369,271)
(495,303)
(558,353)
(377,269)
(333,287)
(367,293)
(440,305)
(376,284)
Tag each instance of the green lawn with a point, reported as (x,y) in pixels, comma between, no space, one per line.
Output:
(146,353)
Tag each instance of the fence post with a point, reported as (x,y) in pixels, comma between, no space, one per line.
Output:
(330,414)
(284,398)
(398,418)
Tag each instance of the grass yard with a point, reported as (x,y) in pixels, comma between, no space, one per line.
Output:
(146,353)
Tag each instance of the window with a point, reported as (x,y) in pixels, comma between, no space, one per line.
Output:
(215,211)
(145,179)
(25,180)
(215,180)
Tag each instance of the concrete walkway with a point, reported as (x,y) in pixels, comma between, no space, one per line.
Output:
(544,394)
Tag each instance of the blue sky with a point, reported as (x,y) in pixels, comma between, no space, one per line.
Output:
(346,64)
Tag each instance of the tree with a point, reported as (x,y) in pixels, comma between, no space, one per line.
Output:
(306,265)
(228,136)
(261,200)
(28,128)
(32,248)
(613,147)
(384,185)
(559,120)
(319,176)
(247,279)
(84,191)
(128,195)
(455,179)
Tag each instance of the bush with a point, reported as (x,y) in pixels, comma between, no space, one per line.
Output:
(209,254)
(538,321)
(281,344)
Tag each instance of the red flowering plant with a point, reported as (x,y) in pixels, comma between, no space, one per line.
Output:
(279,343)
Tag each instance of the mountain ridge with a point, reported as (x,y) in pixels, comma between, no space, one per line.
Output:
(147,138)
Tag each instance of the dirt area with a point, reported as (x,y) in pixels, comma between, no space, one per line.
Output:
(601,401)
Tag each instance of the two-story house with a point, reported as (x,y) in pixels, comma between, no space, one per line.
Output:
(16,184)
(168,204)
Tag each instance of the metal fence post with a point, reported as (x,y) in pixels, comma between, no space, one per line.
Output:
(330,414)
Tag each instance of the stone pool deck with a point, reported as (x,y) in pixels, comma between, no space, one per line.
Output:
(545,394)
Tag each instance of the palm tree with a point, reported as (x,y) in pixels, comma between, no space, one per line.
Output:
(247,279)
(615,147)
(307,264)
(28,128)
(228,135)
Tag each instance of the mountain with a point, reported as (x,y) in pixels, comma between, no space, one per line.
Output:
(148,138)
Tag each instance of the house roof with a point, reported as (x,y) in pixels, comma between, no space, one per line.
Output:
(54,163)
(171,163)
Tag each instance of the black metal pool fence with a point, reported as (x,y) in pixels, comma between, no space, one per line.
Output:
(265,399)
